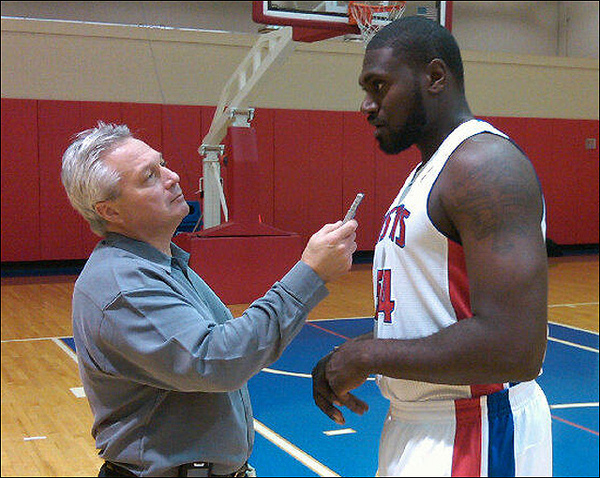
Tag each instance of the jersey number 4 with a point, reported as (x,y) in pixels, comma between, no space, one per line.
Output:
(385,304)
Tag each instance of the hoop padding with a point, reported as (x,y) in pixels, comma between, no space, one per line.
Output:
(370,18)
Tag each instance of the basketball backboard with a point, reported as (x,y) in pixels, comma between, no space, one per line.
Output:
(314,21)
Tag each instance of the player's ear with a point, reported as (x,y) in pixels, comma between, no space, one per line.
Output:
(437,75)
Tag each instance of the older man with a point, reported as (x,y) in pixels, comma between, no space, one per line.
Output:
(163,362)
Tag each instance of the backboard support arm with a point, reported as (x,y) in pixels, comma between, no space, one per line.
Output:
(271,47)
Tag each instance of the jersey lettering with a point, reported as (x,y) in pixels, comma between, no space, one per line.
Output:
(386,223)
(385,304)
(398,230)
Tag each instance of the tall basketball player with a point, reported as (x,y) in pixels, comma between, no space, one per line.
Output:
(459,278)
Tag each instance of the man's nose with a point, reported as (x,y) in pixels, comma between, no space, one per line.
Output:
(171,177)
(368,106)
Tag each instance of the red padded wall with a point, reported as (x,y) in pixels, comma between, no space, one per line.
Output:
(574,193)
(311,165)
(20,181)
(390,173)
(263,127)
(94,111)
(291,176)
(145,121)
(567,171)
(181,136)
(358,152)
(263,124)
(324,186)
(60,225)
(588,181)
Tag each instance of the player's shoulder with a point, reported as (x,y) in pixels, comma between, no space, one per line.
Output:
(488,177)
(488,159)
(487,147)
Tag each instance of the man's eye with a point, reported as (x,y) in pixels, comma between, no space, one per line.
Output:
(378,86)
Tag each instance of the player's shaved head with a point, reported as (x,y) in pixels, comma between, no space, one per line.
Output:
(419,40)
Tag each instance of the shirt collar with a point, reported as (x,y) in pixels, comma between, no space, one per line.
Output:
(147,251)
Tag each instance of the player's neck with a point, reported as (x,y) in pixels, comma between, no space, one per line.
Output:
(441,130)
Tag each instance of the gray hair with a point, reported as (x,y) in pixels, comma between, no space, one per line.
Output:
(85,176)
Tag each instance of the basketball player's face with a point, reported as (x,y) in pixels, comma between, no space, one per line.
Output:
(393,101)
(151,202)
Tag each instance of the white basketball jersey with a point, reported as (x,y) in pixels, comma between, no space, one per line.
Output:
(419,275)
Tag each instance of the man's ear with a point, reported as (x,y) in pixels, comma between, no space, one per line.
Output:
(437,72)
(107,211)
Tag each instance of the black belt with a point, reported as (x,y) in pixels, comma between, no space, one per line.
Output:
(203,468)
(191,469)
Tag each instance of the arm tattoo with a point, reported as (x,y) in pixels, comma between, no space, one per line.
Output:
(497,199)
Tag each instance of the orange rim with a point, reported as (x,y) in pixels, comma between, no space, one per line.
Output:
(367,10)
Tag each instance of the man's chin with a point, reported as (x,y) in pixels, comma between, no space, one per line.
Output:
(392,148)
(182,214)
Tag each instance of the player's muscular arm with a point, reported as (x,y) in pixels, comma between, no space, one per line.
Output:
(489,196)
(494,200)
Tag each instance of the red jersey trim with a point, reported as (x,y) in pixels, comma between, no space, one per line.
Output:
(458,284)
(458,281)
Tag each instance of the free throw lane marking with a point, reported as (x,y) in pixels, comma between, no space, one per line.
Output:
(293,450)
(343,431)
(78,392)
(574,405)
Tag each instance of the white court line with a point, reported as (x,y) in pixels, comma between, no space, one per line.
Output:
(571,344)
(293,450)
(33,339)
(283,372)
(576,304)
(574,405)
(293,374)
(343,431)
(593,332)
(66,349)
(338,318)
(79,392)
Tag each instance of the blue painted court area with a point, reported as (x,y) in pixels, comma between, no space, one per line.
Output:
(284,404)
(302,442)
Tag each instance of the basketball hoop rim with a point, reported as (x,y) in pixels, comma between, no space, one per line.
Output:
(370,8)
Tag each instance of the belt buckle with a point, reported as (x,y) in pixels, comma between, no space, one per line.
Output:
(195,469)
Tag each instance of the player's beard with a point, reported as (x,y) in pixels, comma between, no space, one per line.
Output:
(411,132)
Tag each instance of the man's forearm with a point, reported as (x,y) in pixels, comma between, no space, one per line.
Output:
(468,352)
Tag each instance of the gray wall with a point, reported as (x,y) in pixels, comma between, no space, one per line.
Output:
(568,29)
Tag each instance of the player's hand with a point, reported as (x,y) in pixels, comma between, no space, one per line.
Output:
(344,374)
(327,400)
(323,396)
(329,251)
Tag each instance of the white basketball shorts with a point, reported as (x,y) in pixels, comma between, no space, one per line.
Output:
(507,433)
